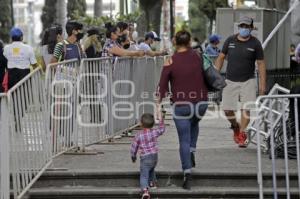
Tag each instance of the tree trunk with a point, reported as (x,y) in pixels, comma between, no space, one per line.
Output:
(98,8)
(61,12)
(295,25)
(152,10)
(211,23)
(5,20)
(121,11)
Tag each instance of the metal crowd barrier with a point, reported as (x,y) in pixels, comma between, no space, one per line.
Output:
(113,96)
(61,105)
(42,119)
(4,149)
(94,100)
(269,120)
(287,134)
(30,152)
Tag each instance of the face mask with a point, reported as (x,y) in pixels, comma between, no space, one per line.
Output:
(155,45)
(79,36)
(121,39)
(126,46)
(244,32)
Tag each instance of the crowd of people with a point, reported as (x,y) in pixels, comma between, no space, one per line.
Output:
(120,40)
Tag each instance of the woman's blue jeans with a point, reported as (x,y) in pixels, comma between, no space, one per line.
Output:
(186,118)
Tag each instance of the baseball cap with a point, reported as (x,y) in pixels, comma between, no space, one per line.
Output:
(214,38)
(152,35)
(16,32)
(246,20)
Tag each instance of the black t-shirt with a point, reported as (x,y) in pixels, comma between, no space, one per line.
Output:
(241,57)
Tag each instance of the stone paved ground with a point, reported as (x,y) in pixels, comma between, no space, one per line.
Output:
(216,153)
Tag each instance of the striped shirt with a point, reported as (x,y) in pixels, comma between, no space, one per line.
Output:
(146,141)
(65,50)
(58,51)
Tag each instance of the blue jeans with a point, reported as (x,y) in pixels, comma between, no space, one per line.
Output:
(147,170)
(186,118)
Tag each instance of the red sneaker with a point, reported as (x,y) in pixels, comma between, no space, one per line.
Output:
(242,140)
(146,194)
(236,133)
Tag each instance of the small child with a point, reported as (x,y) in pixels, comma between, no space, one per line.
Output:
(145,141)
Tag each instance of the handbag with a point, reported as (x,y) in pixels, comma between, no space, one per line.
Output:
(213,79)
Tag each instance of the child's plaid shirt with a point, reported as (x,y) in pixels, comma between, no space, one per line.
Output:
(146,141)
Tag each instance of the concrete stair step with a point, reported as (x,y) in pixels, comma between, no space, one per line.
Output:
(165,193)
(165,179)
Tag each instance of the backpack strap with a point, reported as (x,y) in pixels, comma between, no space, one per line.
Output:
(64,52)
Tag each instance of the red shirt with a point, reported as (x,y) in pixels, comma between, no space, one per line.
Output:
(185,75)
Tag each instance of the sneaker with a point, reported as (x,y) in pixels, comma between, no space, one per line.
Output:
(193,159)
(187,181)
(153,185)
(146,194)
(243,140)
(236,133)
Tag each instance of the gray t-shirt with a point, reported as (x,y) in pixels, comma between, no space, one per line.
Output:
(241,57)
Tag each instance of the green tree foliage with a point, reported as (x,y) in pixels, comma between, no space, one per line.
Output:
(76,8)
(202,12)
(5,19)
(129,18)
(49,11)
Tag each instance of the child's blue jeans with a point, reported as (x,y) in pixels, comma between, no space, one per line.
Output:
(147,170)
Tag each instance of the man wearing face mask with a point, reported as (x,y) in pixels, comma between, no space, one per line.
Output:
(242,51)
(150,37)
(70,48)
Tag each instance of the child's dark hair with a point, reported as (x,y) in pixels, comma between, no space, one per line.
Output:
(45,37)
(182,38)
(147,120)
(73,25)
(52,37)
(122,26)
(110,29)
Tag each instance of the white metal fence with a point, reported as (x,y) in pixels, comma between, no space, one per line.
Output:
(4,149)
(283,131)
(61,105)
(113,95)
(94,95)
(267,118)
(74,106)
(25,144)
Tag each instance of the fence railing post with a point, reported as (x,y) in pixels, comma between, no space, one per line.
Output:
(4,149)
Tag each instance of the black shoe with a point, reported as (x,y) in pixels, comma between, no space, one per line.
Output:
(187,181)
(193,159)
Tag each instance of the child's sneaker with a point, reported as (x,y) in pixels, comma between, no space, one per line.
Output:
(146,194)
(153,185)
